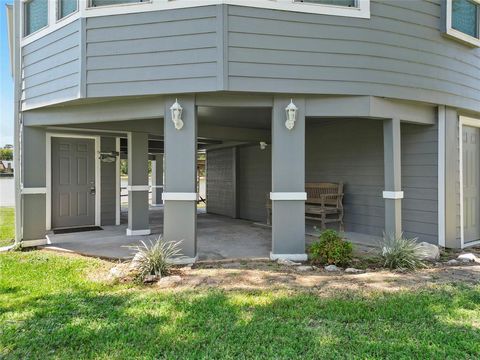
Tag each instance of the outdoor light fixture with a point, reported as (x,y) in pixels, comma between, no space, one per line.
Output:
(263,145)
(291,111)
(109,157)
(177,110)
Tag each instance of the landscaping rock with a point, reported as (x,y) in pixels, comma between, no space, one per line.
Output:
(452,262)
(151,279)
(118,272)
(468,257)
(353,271)
(169,281)
(136,262)
(331,268)
(428,251)
(288,262)
(304,268)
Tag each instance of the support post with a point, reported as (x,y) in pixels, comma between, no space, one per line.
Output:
(393,193)
(34,183)
(138,222)
(288,182)
(157,180)
(180,189)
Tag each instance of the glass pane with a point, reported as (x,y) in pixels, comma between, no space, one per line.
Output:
(36,15)
(67,7)
(113,2)
(465,17)
(349,3)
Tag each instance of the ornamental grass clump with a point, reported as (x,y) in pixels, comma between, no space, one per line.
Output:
(155,258)
(400,253)
(331,249)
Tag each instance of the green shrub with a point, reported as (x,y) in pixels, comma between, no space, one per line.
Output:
(331,249)
(155,258)
(399,253)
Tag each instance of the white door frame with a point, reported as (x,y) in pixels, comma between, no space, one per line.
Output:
(48,213)
(464,121)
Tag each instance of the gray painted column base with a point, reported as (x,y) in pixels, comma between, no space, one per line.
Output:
(180,218)
(393,211)
(288,230)
(138,222)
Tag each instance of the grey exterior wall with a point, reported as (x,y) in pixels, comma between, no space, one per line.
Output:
(152,52)
(221,182)
(420,181)
(350,151)
(108,184)
(51,67)
(399,53)
(254,182)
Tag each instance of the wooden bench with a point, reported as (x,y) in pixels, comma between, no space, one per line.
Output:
(324,203)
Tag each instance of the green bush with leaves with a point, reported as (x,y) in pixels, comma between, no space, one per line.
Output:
(155,258)
(400,253)
(331,249)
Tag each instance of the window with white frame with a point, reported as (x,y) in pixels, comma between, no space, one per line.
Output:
(35,15)
(463,20)
(66,7)
(351,8)
(95,3)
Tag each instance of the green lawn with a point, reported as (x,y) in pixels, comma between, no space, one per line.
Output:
(49,309)
(7,226)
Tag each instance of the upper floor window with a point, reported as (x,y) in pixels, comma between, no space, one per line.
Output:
(36,15)
(463,20)
(95,3)
(66,7)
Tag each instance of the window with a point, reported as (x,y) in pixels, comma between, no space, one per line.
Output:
(35,15)
(348,3)
(465,17)
(463,20)
(66,7)
(95,3)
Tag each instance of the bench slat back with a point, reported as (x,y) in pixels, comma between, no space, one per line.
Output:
(315,191)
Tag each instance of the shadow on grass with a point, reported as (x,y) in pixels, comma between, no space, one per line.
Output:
(79,323)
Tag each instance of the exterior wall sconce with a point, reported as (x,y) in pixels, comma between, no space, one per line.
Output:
(291,111)
(177,110)
(263,145)
(108,157)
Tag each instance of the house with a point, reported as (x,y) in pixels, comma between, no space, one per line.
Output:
(384,94)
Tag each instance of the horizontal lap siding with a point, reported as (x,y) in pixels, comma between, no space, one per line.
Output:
(51,67)
(419,181)
(350,151)
(152,53)
(398,53)
(221,182)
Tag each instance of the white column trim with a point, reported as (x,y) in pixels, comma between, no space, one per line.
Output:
(292,257)
(138,187)
(394,195)
(138,232)
(34,190)
(288,196)
(180,196)
(157,186)
(441,174)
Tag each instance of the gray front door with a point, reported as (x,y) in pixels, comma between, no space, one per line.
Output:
(471,186)
(73,182)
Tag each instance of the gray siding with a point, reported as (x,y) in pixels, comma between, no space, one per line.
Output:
(152,53)
(108,184)
(399,53)
(420,182)
(254,174)
(350,151)
(51,67)
(221,182)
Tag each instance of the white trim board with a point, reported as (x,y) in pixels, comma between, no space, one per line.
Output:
(292,257)
(393,195)
(302,196)
(34,190)
(467,121)
(138,187)
(48,173)
(441,175)
(138,232)
(179,196)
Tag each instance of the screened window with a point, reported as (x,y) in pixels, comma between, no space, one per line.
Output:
(36,15)
(95,3)
(465,16)
(66,7)
(349,3)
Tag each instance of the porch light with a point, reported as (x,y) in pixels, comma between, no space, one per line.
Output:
(291,111)
(177,110)
(263,145)
(109,157)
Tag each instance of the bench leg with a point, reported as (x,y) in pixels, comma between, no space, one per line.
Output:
(269,217)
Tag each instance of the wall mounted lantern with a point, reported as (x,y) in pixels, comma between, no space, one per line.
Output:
(263,145)
(177,110)
(291,111)
(109,157)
